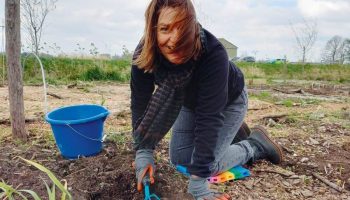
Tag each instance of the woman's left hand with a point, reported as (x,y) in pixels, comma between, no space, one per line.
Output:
(199,188)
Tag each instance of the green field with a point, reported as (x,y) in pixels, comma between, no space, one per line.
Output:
(61,70)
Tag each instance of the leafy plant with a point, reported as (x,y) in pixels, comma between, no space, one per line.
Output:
(8,192)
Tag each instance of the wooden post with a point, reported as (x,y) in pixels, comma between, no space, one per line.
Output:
(14,75)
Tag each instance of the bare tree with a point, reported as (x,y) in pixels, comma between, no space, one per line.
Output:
(13,53)
(333,50)
(305,36)
(337,50)
(345,52)
(35,13)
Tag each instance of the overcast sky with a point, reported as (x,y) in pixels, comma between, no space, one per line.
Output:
(257,27)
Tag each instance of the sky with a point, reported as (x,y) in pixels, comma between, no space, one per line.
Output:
(260,28)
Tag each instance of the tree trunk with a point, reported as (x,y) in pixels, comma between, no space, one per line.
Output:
(36,45)
(13,53)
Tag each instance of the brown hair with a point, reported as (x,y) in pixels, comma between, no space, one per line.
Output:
(189,40)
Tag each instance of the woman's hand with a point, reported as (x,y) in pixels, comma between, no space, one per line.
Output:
(144,165)
(199,188)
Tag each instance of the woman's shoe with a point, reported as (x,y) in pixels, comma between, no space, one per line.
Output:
(264,147)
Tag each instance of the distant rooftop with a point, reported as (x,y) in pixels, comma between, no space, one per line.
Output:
(227,44)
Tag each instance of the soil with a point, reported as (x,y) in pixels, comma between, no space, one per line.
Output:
(315,136)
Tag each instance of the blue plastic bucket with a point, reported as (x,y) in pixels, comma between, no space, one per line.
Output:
(78,129)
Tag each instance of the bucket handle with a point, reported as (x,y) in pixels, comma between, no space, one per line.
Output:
(103,115)
(84,136)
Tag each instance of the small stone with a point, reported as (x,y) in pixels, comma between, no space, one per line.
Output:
(249,184)
(296,181)
(304,159)
(313,141)
(321,129)
(271,123)
(307,193)
(322,191)
(286,183)
(295,193)
(304,128)
(294,177)
(71,166)
(268,185)
(312,165)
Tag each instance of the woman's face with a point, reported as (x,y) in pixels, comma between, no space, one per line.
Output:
(167,35)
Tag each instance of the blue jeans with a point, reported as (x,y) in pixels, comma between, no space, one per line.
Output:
(226,155)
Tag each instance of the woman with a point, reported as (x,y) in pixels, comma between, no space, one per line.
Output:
(200,94)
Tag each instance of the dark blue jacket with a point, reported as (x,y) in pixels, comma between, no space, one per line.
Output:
(215,83)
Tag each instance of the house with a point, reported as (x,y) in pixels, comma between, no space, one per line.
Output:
(230,48)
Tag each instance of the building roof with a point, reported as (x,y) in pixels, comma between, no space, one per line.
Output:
(227,44)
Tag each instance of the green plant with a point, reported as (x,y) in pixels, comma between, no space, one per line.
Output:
(103,100)
(287,103)
(9,192)
(117,137)
(94,74)
(264,96)
(330,72)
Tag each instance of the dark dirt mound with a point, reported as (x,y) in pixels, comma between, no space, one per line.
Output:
(108,175)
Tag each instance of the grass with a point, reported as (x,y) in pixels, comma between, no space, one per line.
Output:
(117,137)
(340,117)
(318,72)
(287,103)
(264,96)
(64,70)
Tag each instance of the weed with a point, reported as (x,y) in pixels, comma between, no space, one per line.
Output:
(263,96)
(316,116)
(118,138)
(8,192)
(288,103)
(103,100)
